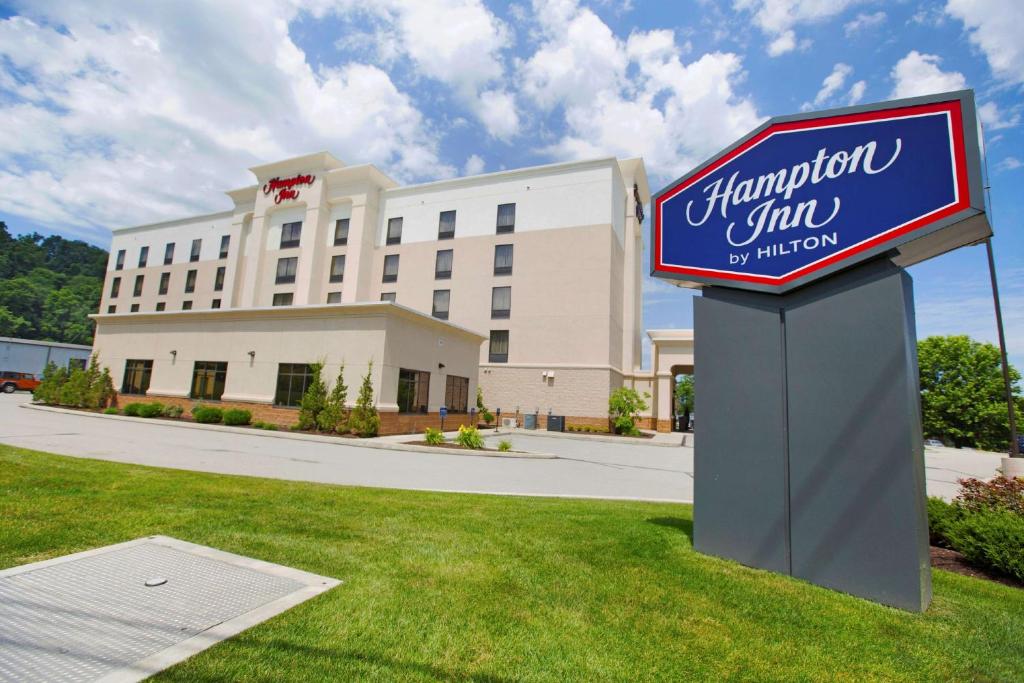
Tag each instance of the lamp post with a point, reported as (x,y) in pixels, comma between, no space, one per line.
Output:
(1008,386)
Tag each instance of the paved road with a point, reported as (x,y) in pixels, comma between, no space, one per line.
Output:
(583,469)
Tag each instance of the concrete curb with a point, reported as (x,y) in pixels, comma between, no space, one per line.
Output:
(519,431)
(298,436)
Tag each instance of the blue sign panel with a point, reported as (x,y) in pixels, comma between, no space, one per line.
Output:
(804,196)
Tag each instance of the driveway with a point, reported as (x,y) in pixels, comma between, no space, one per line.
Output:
(583,468)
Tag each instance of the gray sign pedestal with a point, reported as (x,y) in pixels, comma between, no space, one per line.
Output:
(809,459)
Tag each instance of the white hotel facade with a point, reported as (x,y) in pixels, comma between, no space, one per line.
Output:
(526,281)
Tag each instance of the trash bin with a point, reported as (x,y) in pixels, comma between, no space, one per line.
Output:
(556,423)
(530,421)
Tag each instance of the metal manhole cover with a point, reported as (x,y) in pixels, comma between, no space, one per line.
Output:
(126,611)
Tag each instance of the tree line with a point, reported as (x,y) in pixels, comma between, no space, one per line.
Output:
(49,286)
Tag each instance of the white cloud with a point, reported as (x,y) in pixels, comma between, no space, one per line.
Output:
(995,26)
(919,74)
(833,82)
(497,111)
(994,119)
(856,93)
(1009,164)
(672,113)
(777,19)
(474,165)
(863,22)
(131,119)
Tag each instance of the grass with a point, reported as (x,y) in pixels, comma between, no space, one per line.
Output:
(491,588)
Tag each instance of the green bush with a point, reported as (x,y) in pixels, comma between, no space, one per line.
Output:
(48,391)
(132,409)
(504,446)
(333,418)
(624,408)
(435,437)
(364,420)
(315,398)
(469,437)
(74,391)
(236,416)
(940,514)
(151,409)
(173,411)
(990,538)
(207,415)
(111,411)
(269,426)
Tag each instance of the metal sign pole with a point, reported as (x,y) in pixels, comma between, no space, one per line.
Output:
(1011,409)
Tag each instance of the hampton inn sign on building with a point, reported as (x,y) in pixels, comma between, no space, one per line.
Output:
(443,285)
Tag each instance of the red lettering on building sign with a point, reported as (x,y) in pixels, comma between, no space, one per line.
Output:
(285,187)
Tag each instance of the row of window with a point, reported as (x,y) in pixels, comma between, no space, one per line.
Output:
(501,303)
(197,244)
(165,283)
(162,306)
(209,377)
(505,223)
(287,267)
(443,263)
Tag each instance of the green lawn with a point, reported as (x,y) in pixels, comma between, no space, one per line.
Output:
(492,588)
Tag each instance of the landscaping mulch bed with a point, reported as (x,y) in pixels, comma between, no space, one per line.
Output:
(459,447)
(952,561)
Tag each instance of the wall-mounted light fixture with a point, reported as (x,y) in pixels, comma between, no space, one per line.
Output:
(174,353)
(440,366)
(252,354)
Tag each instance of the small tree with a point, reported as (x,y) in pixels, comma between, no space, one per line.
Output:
(315,398)
(364,420)
(684,399)
(332,417)
(100,385)
(624,407)
(76,389)
(53,380)
(106,392)
(485,414)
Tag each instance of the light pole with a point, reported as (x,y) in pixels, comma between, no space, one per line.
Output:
(1011,409)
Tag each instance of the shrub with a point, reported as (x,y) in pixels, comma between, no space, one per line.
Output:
(487,416)
(1002,493)
(207,415)
(269,426)
(940,514)
(364,420)
(237,416)
(624,407)
(315,398)
(111,411)
(48,391)
(504,446)
(173,411)
(99,387)
(991,538)
(332,417)
(469,437)
(151,409)
(74,391)
(435,437)
(132,409)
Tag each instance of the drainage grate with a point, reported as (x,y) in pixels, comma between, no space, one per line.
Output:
(132,609)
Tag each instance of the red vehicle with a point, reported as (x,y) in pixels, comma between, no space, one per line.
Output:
(13,381)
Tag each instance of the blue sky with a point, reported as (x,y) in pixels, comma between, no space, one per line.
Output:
(116,114)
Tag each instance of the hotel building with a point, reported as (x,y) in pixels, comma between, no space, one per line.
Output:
(525,281)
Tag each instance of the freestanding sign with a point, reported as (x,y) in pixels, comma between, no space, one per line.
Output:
(809,459)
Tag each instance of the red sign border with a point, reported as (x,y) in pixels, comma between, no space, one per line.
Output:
(952,107)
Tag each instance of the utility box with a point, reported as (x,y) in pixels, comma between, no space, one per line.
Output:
(556,423)
(530,421)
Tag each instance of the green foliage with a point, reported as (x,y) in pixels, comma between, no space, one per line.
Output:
(172,410)
(434,437)
(111,411)
(624,407)
(487,416)
(315,398)
(100,387)
(364,420)
(49,286)
(207,414)
(236,416)
(940,513)
(149,410)
(504,446)
(332,417)
(52,381)
(990,538)
(469,437)
(963,400)
(588,429)
(75,390)
(480,407)
(132,409)
(684,393)
(268,426)
(997,493)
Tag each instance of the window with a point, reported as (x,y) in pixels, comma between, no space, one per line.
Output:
(143,256)
(225,242)
(387,296)
(137,291)
(197,245)
(215,303)
(501,302)
(442,297)
(290,234)
(135,308)
(338,268)
(443,264)
(190,281)
(446,225)
(186,305)
(136,376)
(413,388)
(286,270)
(165,282)
(334,297)
(76,363)
(208,379)
(292,381)
(503,259)
(506,218)
(391,268)
(119,265)
(498,352)
(395,230)
(160,306)
(111,309)
(456,394)
(340,232)
(283,299)
(169,253)
(218,280)
(115,287)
